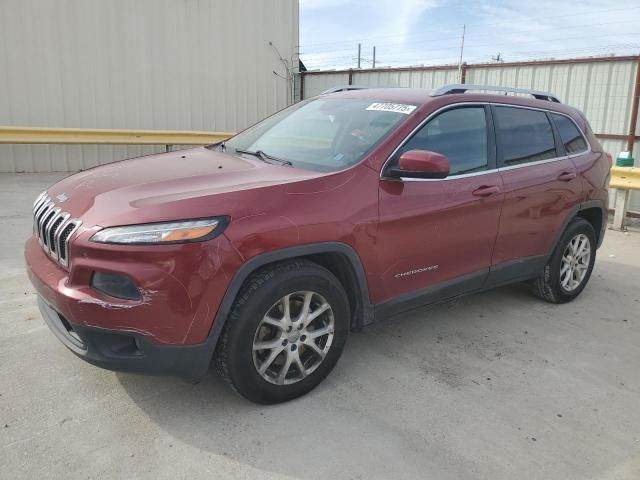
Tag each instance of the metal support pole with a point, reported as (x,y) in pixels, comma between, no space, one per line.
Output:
(374,57)
(634,110)
(464,28)
(359,54)
(622,202)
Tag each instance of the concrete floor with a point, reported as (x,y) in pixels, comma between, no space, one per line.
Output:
(492,386)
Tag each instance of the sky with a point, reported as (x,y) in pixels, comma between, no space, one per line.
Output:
(428,32)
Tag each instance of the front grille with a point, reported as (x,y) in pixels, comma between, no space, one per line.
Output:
(53,228)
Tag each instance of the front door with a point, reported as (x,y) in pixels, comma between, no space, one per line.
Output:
(436,237)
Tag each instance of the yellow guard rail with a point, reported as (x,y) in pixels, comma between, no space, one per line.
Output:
(624,179)
(78,136)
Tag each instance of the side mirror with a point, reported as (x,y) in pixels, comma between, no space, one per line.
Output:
(421,164)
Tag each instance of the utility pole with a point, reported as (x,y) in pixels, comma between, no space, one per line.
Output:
(374,57)
(359,54)
(464,28)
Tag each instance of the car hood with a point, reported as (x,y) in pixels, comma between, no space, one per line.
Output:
(176,185)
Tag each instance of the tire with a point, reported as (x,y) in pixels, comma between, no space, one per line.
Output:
(258,318)
(554,285)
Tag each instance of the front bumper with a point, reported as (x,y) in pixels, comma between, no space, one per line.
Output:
(167,331)
(181,287)
(128,351)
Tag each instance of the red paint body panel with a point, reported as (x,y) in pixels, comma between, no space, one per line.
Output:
(181,286)
(535,207)
(395,227)
(429,224)
(197,182)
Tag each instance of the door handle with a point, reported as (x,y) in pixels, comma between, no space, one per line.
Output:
(567,176)
(485,191)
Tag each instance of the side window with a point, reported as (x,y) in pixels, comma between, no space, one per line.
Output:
(573,140)
(460,134)
(524,135)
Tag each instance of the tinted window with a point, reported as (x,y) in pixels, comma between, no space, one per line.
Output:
(573,140)
(459,134)
(525,135)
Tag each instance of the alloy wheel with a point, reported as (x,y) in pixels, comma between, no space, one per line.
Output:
(293,338)
(575,262)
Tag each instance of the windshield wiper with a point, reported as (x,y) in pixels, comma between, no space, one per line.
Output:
(264,157)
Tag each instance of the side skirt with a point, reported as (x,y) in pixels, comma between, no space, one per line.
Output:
(437,293)
(510,272)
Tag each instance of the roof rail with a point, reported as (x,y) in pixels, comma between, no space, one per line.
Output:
(343,88)
(463,87)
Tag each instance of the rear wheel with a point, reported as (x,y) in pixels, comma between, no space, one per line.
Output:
(569,268)
(285,332)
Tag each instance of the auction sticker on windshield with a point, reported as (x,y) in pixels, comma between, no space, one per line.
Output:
(392,107)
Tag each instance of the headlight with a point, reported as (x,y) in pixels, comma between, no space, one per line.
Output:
(171,232)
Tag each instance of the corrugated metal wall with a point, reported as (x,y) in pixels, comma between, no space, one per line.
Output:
(316,84)
(602,89)
(421,79)
(148,64)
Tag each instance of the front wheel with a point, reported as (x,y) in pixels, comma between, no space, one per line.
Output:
(285,332)
(569,268)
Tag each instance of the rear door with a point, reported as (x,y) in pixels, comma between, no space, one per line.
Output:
(541,188)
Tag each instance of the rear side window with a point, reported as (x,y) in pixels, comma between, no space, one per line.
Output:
(573,140)
(459,134)
(524,135)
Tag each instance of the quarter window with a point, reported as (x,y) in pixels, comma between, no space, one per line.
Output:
(525,135)
(460,134)
(571,137)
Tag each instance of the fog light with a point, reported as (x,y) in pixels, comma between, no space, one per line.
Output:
(115,285)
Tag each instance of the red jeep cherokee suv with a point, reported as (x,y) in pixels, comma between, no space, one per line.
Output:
(261,253)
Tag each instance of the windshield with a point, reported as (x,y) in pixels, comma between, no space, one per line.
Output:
(322,134)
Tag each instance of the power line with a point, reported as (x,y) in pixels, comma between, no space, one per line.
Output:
(452,60)
(505,47)
(440,39)
(453,46)
(533,19)
(509,43)
(545,53)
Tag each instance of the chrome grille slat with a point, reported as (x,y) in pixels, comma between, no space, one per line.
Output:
(38,214)
(39,199)
(44,222)
(65,235)
(49,218)
(55,224)
(53,228)
(56,235)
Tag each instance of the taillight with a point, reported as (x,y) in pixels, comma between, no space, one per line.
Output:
(610,158)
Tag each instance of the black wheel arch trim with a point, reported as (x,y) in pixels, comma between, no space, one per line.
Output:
(573,213)
(605,216)
(364,307)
